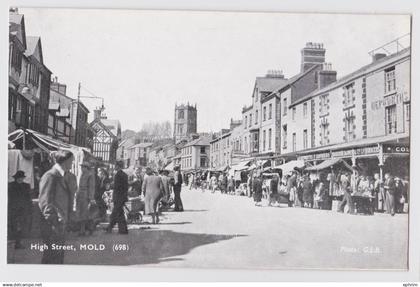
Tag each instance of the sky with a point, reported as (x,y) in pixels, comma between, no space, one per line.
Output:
(142,62)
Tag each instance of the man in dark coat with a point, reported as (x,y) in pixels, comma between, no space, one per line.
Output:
(119,198)
(390,190)
(308,196)
(19,207)
(177,189)
(102,183)
(55,203)
(257,190)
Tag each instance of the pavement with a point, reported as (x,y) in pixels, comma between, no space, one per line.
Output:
(226,231)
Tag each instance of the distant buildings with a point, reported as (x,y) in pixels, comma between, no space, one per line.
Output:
(106,136)
(195,154)
(185,122)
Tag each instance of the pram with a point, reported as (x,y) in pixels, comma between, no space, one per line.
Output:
(133,209)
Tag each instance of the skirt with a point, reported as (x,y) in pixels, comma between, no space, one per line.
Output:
(257,196)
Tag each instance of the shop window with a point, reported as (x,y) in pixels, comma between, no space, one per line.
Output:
(390,80)
(391,119)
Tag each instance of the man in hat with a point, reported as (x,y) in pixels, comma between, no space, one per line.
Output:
(177,189)
(20,206)
(55,203)
(119,198)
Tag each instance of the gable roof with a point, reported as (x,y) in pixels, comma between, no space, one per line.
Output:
(17,27)
(102,126)
(113,125)
(33,48)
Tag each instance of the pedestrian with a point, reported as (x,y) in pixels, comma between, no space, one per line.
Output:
(347,200)
(177,189)
(274,191)
(231,185)
(257,190)
(308,195)
(119,198)
(102,185)
(166,188)
(84,197)
(55,202)
(399,195)
(389,187)
(136,182)
(224,183)
(378,193)
(153,191)
(249,185)
(19,207)
(213,183)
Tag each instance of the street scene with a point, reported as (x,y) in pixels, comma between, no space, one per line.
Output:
(161,158)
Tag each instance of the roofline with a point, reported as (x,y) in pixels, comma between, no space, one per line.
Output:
(355,75)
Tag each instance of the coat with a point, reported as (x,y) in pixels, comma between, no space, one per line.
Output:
(257,189)
(166,187)
(85,193)
(19,199)
(55,198)
(153,190)
(307,191)
(119,195)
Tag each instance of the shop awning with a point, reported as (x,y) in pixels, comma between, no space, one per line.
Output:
(291,165)
(169,166)
(243,165)
(258,163)
(325,164)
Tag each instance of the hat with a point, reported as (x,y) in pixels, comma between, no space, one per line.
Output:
(19,174)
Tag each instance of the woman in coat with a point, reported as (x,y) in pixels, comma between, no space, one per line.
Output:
(307,192)
(84,196)
(257,190)
(153,191)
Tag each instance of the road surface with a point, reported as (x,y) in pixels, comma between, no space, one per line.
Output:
(226,231)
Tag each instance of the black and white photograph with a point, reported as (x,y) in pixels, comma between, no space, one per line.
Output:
(209,139)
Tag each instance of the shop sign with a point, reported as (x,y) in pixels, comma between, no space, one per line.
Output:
(342,153)
(391,100)
(315,156)
(367,150)
(402,149)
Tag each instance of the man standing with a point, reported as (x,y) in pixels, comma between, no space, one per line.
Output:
(389,187)
(19,208)
(177,189)
(119,198)
(55,203)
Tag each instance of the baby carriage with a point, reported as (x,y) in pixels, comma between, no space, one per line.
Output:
(133,209)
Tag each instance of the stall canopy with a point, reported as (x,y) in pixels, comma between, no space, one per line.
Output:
(169,166)
(258,163)
(243,165)
(290,166)
(325,164)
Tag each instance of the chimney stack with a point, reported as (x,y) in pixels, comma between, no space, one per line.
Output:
(312,54)
(97,113)
(326,76)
